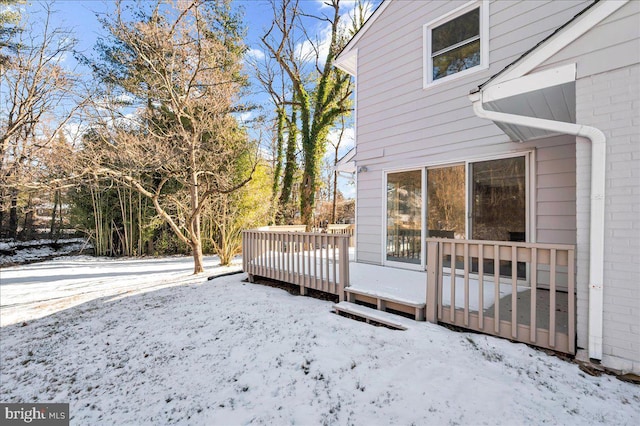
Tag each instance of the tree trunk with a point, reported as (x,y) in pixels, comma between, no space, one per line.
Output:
(13,215)
(289,169)
(27,229)
(196,246)
(196,237)
(275,190)
(140,241)
(60,218)
(307,197)
(198,264)
(56,200)
(335,192)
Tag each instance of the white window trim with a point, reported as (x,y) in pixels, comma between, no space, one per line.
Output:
(484,43)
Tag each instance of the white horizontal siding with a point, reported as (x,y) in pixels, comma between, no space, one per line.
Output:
(556,190)
(402,125)
(613,43)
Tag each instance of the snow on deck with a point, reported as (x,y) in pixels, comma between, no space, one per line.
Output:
(411,286)
(380,281)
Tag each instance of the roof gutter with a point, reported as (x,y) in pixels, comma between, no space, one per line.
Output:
(596,227)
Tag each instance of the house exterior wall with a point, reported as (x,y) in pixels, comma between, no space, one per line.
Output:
(608,97)
(402,125)
(610,101)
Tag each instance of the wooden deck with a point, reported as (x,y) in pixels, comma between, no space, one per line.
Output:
(544,298)
(404,291)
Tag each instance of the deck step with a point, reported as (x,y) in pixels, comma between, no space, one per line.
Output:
(368,314)
(384,301)
(385,297)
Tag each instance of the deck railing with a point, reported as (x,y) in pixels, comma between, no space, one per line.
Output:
(345,229)
(467,287)
(316,261)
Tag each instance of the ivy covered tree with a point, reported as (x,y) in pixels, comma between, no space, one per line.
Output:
(320,93)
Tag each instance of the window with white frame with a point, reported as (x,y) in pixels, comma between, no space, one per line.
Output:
(456,44)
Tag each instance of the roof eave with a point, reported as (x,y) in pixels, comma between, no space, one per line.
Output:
(348,49)
(348,62)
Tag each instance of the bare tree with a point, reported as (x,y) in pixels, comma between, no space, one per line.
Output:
(39,98)
(167,128)
(334,181)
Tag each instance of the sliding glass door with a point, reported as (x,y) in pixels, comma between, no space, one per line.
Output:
(481,200)
(498,206)
(404,217)
(446,205)
(498,194)
(445,202)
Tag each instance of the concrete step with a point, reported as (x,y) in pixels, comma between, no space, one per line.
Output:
(368,314)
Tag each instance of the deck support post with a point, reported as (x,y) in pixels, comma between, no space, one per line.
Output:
(382,306)
(431,308)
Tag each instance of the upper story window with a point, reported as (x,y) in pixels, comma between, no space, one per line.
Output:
(456,43)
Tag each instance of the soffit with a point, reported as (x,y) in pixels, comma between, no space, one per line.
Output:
(557,103)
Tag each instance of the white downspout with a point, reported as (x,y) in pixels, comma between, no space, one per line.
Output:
(596,227)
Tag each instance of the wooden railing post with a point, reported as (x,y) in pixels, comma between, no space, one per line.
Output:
(245,251)
(432,282)
(245,260)
(343,280)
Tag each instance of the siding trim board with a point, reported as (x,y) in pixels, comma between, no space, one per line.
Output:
(530,83)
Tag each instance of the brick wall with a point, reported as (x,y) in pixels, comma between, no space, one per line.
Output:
(610,101)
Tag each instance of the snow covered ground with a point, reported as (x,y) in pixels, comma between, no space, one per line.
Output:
(145,342)
(17,252)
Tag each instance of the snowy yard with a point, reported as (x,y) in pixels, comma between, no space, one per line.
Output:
(145,342)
